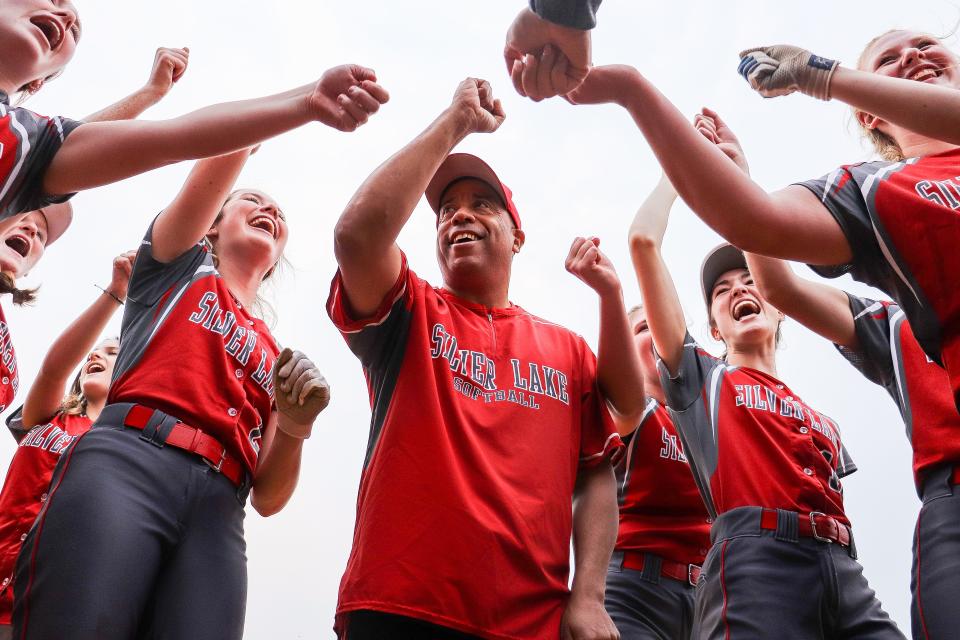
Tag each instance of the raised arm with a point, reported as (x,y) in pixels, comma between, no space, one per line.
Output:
(548,47)
(717,191)
(618,364)
(191,214)
(594,536)
(73,345)
(930,110)
(660,299)
(100,153)
(366,234)
(169,65)
(821,308)
(301,393)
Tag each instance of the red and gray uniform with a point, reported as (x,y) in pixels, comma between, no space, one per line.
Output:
(768,464)
(481,419)
(28,143)
(25,491)
(901,221)
(664,533)
(888,354)
(128,512)
(9,375)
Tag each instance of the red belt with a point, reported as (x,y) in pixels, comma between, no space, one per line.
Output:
(195,441)
(816,525)
(689,573)
(955,476)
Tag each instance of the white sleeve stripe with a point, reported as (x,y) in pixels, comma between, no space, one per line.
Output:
(24,152)
(374,322)
(600,454)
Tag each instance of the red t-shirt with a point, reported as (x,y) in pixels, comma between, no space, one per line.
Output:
(901,221)
(9,376)
(751,441)
(889,355)
(481,419)
(190,349)
(661,511)
(24,492)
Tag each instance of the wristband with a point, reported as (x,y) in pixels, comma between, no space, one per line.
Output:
(109,293)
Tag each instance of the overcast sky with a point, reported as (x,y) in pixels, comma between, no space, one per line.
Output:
(574,171)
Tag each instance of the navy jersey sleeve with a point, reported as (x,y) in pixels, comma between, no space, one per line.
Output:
(579,14)
(380,340)
(28,143)
(873,356)
(152,279)
(15,425)
(840,194)
(683,389)
(693,400)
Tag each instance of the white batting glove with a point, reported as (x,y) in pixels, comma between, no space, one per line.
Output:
(781,69)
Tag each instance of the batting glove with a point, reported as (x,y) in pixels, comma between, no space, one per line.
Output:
(782,69)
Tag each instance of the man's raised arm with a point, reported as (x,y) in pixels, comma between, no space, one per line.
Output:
(366,234)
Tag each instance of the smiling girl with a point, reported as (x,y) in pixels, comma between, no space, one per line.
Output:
(49,422)
(150,502)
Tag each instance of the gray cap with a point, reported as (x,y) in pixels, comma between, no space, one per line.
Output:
(721,259)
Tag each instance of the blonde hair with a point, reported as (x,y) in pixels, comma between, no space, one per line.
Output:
(884,144)
(261,307)
(75,403)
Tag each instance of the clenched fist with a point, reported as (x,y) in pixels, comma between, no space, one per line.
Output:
(301,393)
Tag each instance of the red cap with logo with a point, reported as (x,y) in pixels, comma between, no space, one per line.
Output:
(465,165)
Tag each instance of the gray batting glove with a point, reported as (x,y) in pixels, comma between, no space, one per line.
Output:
(782,69)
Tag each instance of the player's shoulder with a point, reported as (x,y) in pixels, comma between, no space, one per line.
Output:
(542,324)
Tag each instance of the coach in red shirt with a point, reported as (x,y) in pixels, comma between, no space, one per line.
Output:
(487,421)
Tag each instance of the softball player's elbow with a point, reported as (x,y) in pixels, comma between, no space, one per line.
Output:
(268,505)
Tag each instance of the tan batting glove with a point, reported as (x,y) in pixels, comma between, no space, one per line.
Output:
(781,69)
(301,393)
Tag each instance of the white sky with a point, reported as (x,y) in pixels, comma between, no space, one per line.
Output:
(575,171)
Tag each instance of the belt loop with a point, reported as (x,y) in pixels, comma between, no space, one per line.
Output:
(788,526)
(244,490)
(158,428)
(652,566)
(616,559)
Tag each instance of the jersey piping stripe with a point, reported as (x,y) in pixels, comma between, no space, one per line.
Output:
(628,464)
(894,351)
(831,180)
(602,451)
(713,401)
(379,322)
(172,302)
(869,185)
(24,152)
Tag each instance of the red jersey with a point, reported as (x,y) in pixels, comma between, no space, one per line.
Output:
(28,142)
(751,441)
(25,491)
(190,349)
(480,421)
(9,376)
(661,511)
(902,221)
(889,355)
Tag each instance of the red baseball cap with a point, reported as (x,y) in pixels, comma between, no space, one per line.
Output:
(465,165)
